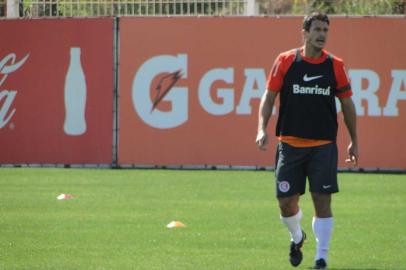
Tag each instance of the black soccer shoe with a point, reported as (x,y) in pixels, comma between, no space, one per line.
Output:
(320,264)
(295,255)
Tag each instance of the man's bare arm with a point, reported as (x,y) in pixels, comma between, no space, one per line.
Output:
(350,119)
(264,114)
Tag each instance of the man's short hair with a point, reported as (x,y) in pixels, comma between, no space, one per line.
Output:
(307,22)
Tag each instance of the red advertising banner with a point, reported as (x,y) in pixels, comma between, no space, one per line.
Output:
(190,88)
(56,91)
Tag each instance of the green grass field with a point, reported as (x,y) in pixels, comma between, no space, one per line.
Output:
(118,218)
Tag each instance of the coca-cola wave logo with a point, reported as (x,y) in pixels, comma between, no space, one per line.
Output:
(7,66)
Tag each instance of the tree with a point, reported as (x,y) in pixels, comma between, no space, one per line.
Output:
(340,7)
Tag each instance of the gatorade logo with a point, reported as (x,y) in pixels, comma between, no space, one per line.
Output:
(172,88)
(175,68)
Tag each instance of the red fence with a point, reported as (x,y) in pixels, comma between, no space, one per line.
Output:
(56,91)
(216,69)
(210,117)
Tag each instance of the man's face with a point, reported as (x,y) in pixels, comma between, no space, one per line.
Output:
(317,35)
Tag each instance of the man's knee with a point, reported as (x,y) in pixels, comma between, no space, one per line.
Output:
(289,205)
(322,204)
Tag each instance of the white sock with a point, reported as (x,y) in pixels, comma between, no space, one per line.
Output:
(322,228)
(293,224)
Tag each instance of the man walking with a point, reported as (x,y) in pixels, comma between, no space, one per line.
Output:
(308,80)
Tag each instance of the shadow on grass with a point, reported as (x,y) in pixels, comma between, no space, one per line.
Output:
(356,269)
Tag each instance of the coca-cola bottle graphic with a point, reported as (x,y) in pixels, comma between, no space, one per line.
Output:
(75,96)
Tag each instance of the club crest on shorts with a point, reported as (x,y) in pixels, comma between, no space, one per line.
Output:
(284,186)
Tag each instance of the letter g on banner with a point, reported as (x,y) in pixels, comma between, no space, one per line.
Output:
(178,96)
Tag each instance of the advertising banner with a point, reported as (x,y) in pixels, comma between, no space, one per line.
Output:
(56,91)
(190,88)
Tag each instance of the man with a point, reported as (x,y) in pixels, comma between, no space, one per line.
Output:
(308,80)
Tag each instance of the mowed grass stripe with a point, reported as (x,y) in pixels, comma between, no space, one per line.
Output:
(117,220)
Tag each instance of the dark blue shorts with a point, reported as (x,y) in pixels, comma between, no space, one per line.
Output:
(296,164)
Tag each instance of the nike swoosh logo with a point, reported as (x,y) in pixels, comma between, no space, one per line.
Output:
(308,79)
(326,187)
